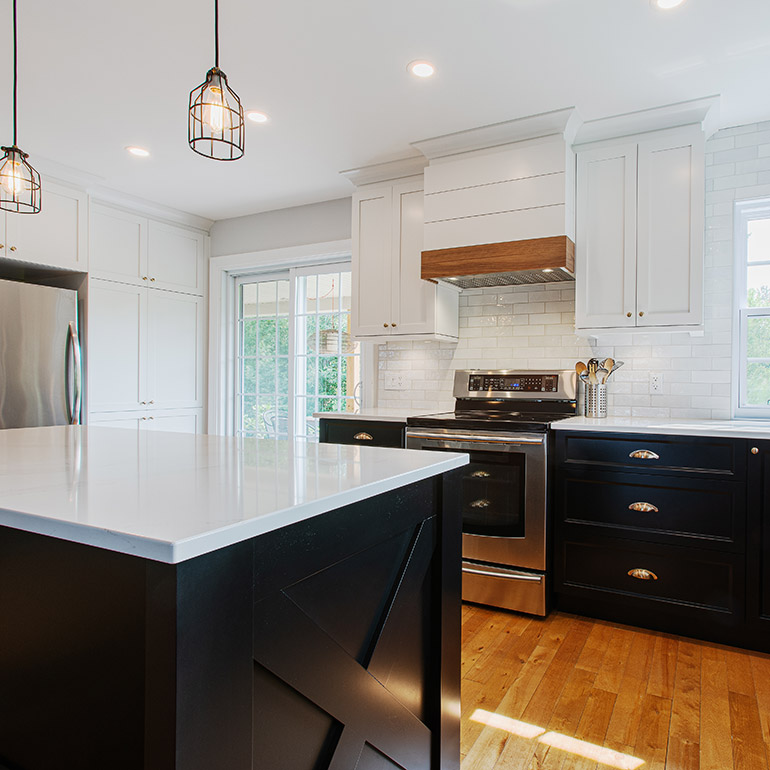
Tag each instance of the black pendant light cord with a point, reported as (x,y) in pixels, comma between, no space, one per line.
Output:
(216,32)
(15,70)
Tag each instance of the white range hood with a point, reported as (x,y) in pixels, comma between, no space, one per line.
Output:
(500,202)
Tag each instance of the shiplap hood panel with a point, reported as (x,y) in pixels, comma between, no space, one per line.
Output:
(500,202)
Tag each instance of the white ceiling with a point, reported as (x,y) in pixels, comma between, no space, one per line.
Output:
(96,75)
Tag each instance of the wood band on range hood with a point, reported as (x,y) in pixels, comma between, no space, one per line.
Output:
(510,256)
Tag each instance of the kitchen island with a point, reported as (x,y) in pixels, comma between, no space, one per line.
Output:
(179,601)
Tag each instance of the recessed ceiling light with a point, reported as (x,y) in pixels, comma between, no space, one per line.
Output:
(421,69)
(666,4)
(140,152)
(257,117)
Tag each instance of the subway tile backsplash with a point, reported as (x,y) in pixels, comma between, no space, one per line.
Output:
(533,327)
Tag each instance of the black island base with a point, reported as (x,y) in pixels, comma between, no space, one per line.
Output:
(331,644)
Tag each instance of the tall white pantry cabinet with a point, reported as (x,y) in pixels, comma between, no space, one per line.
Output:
(639,245)
(146,322)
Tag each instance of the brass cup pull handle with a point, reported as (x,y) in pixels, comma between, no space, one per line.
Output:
(643,507)
(480,503)
(480,475)
(363,437)
(642,574)
(644,454)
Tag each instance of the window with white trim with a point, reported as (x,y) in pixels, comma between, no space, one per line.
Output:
(752,256)
(294,353)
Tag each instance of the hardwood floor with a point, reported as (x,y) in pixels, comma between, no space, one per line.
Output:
(570,693)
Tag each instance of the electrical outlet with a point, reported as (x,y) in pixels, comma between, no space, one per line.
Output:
(656,382)
(395,382)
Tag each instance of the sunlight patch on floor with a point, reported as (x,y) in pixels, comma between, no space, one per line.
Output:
(559,741)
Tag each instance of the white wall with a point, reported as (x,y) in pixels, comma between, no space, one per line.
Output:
(533,326)
(314,223)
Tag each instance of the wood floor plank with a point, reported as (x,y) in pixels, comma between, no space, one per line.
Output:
(760,667)
(595,647)
(684,732)
(628,711)
(739,676)
(651,743)
(748,747)
(592,728)
(613,664)
(715,734)
(661,679)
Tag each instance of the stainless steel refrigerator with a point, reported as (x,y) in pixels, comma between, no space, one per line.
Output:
(40,362)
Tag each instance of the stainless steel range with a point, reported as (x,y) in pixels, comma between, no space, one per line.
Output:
(501,420)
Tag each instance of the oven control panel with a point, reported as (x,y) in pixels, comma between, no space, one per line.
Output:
(507,383)
(527,383)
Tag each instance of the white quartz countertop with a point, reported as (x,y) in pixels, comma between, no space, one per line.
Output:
(379,414)
(173,496)
(758,429)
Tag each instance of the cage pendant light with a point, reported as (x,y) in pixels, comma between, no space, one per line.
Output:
(215,127)
(19,182)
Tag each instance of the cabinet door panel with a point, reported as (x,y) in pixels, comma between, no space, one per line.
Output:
(372,263)
(128,420)
(176,421)
(118,245)
(670,235)
(116,345)
(57,235)
(413,300)
(174,349)
(175,258)
(606,238)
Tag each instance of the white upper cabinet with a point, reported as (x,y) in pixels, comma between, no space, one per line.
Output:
(390,298)
(56,237)
(175,258)
(133,249)
(640,218)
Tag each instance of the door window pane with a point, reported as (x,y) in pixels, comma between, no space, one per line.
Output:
(274,391)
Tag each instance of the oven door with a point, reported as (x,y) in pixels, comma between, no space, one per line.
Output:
(503,493)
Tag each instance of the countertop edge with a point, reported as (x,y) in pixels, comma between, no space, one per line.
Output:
(756,429)
(197,545)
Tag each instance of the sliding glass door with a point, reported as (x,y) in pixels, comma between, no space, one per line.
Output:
(295,355)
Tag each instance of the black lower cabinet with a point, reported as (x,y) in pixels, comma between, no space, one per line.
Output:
(332,644)
(759,539)
(667,533)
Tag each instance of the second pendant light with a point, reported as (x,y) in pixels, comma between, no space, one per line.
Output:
(215,127)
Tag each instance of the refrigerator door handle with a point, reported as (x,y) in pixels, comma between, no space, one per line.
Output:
(77,374)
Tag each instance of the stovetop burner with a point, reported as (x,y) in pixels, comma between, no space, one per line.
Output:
(506,400)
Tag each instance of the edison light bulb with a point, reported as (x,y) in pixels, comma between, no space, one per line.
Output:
(12,177)
(216,113)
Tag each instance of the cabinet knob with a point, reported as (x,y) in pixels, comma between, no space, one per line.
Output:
(754,450)
(150,418)
(393,325)
(2,245)
(641,313)
(642,574)
(144,277)
(144,418)
(643,507)
(385,325)
(150,402)
(13,248)
(143,403)
(644,454)
(363,437)
(151,280)
(628,315)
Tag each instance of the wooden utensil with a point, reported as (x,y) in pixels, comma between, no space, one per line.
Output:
(580,367)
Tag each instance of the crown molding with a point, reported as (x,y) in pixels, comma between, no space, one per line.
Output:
(703,111)
(386,172)
(564,122)
(100,194)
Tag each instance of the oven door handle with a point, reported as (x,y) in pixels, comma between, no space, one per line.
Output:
(507,575)
(475,439)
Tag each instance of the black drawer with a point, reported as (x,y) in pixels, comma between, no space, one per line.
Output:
(363,432)
(654,454)
(679,578)
(699,511)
